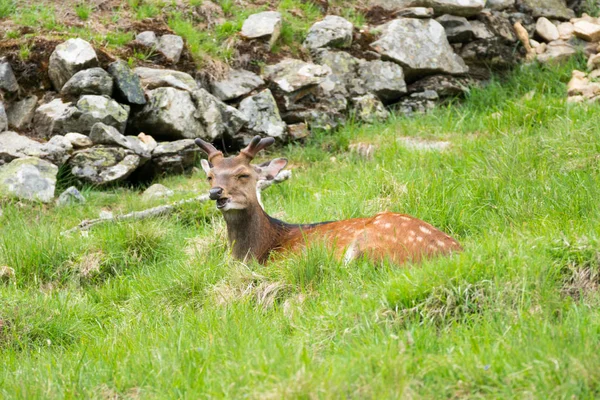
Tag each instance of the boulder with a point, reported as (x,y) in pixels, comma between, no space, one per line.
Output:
(174,157)
(100,165)
(169,114)
(266,24)
(463,8)
(20,113)
(298,131)
(127,85)
(70,196)
(157,191)
(499,5)
(78,141)
(29,178)
(218,118)
(343,66)
(480,30)
(263,115)
(69,58)
(105,134)
(369,108)
(458,29)
(419,46)
(148,141)
(587,31)
(415,12)
(91,109)
(152,78)
(135,144)
(565,30)
(417,103)
(12,146)
(492,54)
(3,118)
(89,81)
(443,85)
(49,118)
(147,39)
(383,78)
(553,9)
(332,31)
(557,51)
(235,84)
(500,25)
(8,81)
(546,30)
(170,46)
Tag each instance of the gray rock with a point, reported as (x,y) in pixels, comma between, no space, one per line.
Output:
(152,78)
(344,67)
(266,24)
(235,84)
(170,114)
(171,47)
(20,113)
(69,58)
(290,75)
(464,8)
(500,5)
(147,39)
(91,109)
(491,54)
(70,196)
(135,144)
(148,141)
(557,51)
(298,131)
(383,78)
(443,85)
(369,108)
(174,157)
(546,30)
(419,46)
(500,25)
(415,12)
(100,165)
(89,81)
(332,31)
(8,80)
(127,85)
(57,150)
(49,118)
(458,29)
(157,191)
(320,117)
(78,141)
(105,134)
(13,145)
(263,115)
(3,118)
(480,30)
(414,105)
(553,9)
(29,178)
(218,118)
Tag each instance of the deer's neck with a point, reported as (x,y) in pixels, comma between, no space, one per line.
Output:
(253,234)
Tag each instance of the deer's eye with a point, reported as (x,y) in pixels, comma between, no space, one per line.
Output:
(209,179)
(243,176)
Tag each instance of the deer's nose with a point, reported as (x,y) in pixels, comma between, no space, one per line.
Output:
(215,193)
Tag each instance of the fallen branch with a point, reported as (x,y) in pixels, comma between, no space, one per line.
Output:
(166,209)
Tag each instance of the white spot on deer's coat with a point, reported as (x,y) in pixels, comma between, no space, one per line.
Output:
(419,239)
(405,218)
(412,233)
(387,226)
(411,239)
(424,230)
(440,243)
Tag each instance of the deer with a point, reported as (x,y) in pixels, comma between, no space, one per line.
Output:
(253,234)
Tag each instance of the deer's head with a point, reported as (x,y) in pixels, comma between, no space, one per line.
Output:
(233,180)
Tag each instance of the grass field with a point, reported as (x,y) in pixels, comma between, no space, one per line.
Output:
(157,308)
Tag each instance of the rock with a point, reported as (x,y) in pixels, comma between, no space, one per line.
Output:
(127,85)
(290,75)
(546,29)
(553,9)
(565,30)
(57,150)
(70,196)
(100,165)
(105,134)
(49,118)
(593,62)
(557,51)
(499,5)
(78,141)
(415,12)
(383,78)
(580,85)
(69,58)
(20,113)
(343,66)
(174,157)
(235,84)
(443,85)
(13,146)
(8,80)
(480,30)
(157,191)
(463,8)
(332,31)
(218,118)
(458,29)
(266,24)
(587,31)
(89,81)
(148,141)
(417,103)
(152,78)
(494,54)
(171,47)
(147,39)
(319,117)
(170,114)
(433,54)
(263,115)
(499,24)
(412,143)
(91,109)
(29,178)
(298,131)
(369,108)
(3,118)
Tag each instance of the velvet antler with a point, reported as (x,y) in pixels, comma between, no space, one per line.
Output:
(256,145)
(209,149)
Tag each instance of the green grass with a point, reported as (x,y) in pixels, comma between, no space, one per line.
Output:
(7,8)
(83,11)
(157,309)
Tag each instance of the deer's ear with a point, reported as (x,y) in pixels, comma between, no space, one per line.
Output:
(206,166)
(269,170)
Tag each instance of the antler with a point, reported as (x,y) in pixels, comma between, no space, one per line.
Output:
(256,145)
(209,149)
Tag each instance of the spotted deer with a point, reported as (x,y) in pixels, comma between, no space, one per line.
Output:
(254,234)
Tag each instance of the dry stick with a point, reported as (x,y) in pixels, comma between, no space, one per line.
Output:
(167,208)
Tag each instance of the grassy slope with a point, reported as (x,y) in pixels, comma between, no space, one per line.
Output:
(166,313)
